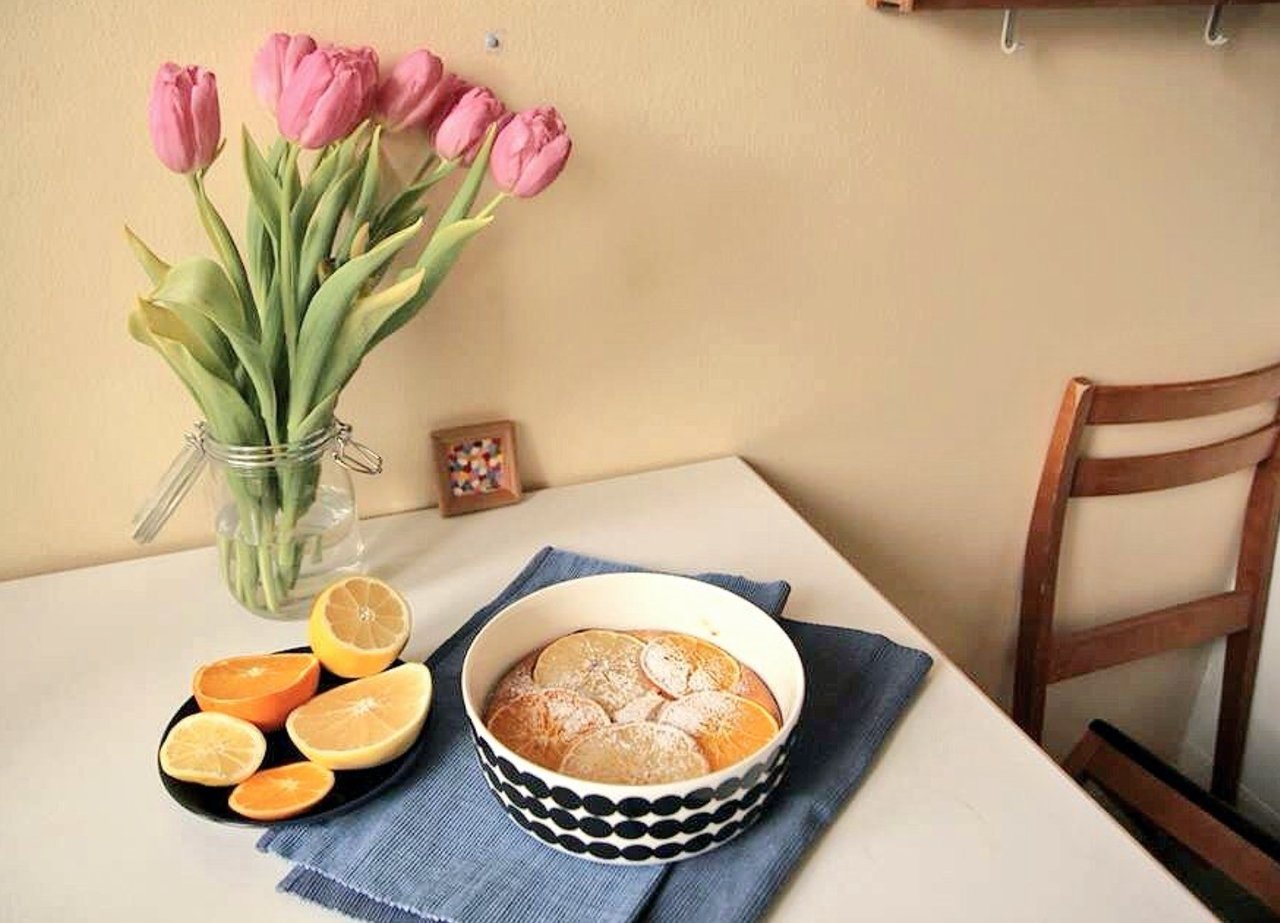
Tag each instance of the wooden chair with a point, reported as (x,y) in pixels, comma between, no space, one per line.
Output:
(1118,765)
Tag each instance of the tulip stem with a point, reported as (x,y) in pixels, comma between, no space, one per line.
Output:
(228,253)
(422,170)
(493,205)
(286,259)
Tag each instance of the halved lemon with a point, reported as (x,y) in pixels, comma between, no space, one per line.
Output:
(358,626)
(210,748)
(366,722)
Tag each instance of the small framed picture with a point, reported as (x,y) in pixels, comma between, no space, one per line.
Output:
(476,467)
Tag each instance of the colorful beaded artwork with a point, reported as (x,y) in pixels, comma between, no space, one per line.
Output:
(475,467)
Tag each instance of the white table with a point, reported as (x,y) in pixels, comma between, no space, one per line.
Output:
(961,818)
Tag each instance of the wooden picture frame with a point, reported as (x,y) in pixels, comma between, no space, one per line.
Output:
(475,467)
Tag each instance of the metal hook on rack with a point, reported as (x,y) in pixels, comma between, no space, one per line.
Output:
(1008,44)
(1213,36)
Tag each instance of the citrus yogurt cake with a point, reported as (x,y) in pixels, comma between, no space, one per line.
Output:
(632,707)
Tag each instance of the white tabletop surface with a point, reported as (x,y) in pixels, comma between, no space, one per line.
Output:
(961,818)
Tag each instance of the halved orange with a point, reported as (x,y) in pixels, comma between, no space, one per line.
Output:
(639,753)
(543,724)
(284,791)
(680,664)
(358,626)
(210,748)
(261,688)
(727,727)
(366,722)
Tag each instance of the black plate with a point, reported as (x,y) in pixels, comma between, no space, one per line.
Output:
(351,787)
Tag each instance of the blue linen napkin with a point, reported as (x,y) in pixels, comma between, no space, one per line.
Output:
(440,848)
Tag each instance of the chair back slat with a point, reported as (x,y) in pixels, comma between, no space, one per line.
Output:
(1183,400)
(1100,477)
(1184,625)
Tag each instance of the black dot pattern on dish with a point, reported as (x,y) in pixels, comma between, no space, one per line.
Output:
(633,829)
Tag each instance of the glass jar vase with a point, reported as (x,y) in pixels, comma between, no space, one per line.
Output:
(284,516)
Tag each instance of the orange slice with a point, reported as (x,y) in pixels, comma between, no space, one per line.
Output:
(543,724)
(727,727)
(261,688)
(681,664)
(602,665)
(358,626)
(366,722)
(514,683)
(210,748)
(752,687)
(640,753)
(285,791)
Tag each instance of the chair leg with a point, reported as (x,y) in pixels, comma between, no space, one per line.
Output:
(1239,669)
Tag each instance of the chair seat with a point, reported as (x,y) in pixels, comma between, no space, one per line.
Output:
(1163,772)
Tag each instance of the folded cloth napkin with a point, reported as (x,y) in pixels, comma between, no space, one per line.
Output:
(439,847)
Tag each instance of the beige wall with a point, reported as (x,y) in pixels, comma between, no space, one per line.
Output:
(862,250)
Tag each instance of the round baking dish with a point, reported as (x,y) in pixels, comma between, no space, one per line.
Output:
(638,824)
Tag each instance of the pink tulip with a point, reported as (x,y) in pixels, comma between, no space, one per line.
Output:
(276,62)
(463,129)
(186,124)
(416,88)
(449,96)
(328,95)
(530,152)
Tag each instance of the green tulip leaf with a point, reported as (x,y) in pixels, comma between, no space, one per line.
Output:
(152,265)
(200,286)
(162,321)
(360,327)
(230,417)
(437,259)
(364,198)
(263,186)
(318,241)
(325,315)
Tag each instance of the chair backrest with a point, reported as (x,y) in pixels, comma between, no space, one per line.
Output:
(1046,657)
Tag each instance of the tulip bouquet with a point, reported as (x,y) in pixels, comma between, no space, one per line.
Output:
(266,336)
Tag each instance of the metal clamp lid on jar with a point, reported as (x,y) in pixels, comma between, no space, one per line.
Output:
(199,446)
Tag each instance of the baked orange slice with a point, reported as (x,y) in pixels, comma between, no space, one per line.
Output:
(543,724)
(602,665)
(261,688)
(639,753)
(727,727)
(284,791)
(752,687)
(514,683)
(680,664)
